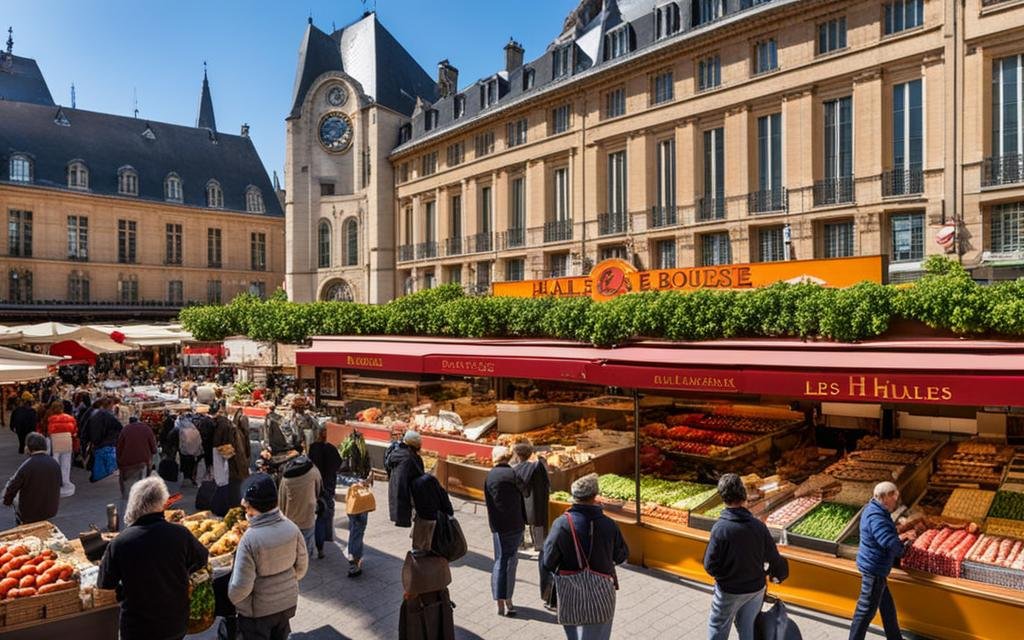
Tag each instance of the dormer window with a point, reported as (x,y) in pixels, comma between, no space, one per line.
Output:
(20,168)
(430,119)
(404,133)
(78,175)
(666,20)
(561,61)
(127,181)
(460,106)
(616,42)
(254,200)
(172,188)
(488,93)
(214,195)
(706,11)
(528,79)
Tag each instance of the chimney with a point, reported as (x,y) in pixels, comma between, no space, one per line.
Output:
(513,55)
(447,79)
(245,130)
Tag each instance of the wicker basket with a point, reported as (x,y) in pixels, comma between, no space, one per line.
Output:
(44,607)
(104,597)
(991,574)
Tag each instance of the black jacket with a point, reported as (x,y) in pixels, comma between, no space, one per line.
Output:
(429,497)
(152,586)
(739,548)
(537,485)
(328,461)
(606,549)
(503,492)
(102,429)
(37,485)
(24,419)
(403,466)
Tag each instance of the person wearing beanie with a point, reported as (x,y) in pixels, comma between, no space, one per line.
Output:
(403,464)
(300,485)
(600,541)
(270,560)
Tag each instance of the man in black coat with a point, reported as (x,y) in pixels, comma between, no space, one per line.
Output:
(23,422)
(403,465)
(533,474)
(36,484)
(149,564)
(506,515)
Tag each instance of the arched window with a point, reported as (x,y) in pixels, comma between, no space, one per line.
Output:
(127,181)
(172,188)
(338,291)
(214,195)
(78,175)
(323,235)
(20,168)
(254,200)
(350,235)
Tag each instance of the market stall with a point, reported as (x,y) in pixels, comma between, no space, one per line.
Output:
(811,427)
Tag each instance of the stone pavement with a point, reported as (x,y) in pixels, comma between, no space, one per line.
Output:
(651,604)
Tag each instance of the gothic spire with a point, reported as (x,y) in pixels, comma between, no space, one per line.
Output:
(10,40)
(206,119)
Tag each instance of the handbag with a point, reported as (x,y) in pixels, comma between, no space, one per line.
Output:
(774,624)
(424,572)
(448,541)
(60,443)
(585,596)
(359,499)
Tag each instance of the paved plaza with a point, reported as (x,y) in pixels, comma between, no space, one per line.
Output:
(651,604)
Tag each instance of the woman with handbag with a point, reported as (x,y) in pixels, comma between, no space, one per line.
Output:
(327,461)
(63,432)
(359,501)
(581,551)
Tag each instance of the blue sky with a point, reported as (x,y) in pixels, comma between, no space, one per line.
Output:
(156,49)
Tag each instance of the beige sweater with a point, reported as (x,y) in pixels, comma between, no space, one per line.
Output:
(297,498)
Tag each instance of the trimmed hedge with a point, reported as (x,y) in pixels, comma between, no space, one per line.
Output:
(945,298)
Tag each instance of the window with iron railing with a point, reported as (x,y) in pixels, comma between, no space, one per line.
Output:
(771,244)
(713,203)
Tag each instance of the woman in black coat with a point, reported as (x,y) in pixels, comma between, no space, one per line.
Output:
(537,488)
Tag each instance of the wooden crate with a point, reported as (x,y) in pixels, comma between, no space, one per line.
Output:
(44,607)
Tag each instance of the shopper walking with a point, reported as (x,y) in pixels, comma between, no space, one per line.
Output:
(23,421)
(428,499)
(204,423)
(149,563)
(136,446)
(230,461)
(880,546)
(737,555)
(270,560)
(506,515)
(102,431)
(583,537)
(403,464)
(190,446)
(327,461)
(355,465)
(63,432)
(300,486)
(35,485)
(536,484)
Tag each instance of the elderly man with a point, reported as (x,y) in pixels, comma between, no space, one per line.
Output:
(506,515)
(880,546)
(149,564)
(36,484)
(403,464)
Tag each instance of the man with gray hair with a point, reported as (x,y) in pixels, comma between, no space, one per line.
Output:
(880,546)
(149,564)
(506,515)
(36,484)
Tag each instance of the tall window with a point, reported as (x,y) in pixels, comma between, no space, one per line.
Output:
(428,164)
(429,119)
(485,210)
(19,285)
(213,291)
(771,244)
(323,236)
(127,181)
(517,132)
(662,91)
(559,265)
(172,188)
(173,241)
(517,219)
(78,238)
(515,269)
(713,206)
(78,288)
(430,222)
(838,239)
(213,248)
(214,195)
(561,61)
(488,93)
(483,275)
(616,42)
(78,176)
(484,143)
(769,161)
(456,153)
(665,254)
(832,35)
(460,107)
(907,237)
(617,183)
(715,249)
(128,290)
(126,231)
(258,251)
(20,168)
(560,119)
(562,194)
(907,137)
(666,178)
(408,225)
(666,20)
(709,73)
(903,14)
(1007,227)
(175,292)
(455,228)
(1007,105)
(404,133)
(766,56)
(254,200)
(529,78)
(350,233)
(839,138)
(707,10)
(615,103)
(19,233)
(259,289)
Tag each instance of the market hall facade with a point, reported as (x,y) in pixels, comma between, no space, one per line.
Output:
(673,134)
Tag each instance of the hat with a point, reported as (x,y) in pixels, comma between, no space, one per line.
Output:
(585,488)
(412,438)
(260,491)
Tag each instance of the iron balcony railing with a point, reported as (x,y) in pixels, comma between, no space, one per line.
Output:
(710,209)
(479,243)
(405,252)
(1004,169)
(662,217)
(511,239)
(426,250)
(833,191)
(558,231)
(453,247)
(768,201)
(609,224)
(902,182)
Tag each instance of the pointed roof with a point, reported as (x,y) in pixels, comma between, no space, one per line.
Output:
(22,81)
(206,119)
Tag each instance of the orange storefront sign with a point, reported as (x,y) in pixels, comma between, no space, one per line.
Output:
(614,277)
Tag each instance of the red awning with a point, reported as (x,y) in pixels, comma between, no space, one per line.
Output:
(73,350)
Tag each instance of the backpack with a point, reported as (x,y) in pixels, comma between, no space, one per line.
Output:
(190,442)
(355,460)
(389,454)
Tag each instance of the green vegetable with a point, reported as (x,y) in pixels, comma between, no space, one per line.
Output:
(1008,505)
(667,493)
(715,511)
(561,496)
(825,521)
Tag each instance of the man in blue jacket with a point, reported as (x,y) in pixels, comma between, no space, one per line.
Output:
(880,546)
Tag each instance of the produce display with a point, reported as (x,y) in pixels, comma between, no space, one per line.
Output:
(681,496)
(797,464)
(904,445)
(826,521)
(755,425)
(1008,505)
(855,471)
(934,500)
(218,536)
(25,572)
(1001,527)
(998,551)
(681,433)
(821,485)
(790,512)
(969,504)
(974,462)
(940,551)
(714,511)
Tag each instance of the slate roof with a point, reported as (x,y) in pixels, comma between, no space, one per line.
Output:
(206,119)
(367,52)
(24,82)
(105,143)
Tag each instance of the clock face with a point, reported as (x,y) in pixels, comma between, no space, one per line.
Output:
(335,131)
(337,96)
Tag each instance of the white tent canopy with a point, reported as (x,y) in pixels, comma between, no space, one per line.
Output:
(147,335)
(21,366)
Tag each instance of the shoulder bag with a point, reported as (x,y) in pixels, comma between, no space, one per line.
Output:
(424,572)
(584,596)
(359,499)
(449,542)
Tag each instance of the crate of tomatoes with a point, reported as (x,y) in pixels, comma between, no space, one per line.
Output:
(35,585)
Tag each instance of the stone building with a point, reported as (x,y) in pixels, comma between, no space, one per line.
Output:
(108,216)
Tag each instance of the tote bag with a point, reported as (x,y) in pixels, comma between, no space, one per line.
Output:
(585,596)
(359,499)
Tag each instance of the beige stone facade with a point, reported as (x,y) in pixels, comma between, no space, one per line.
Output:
(878,192)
